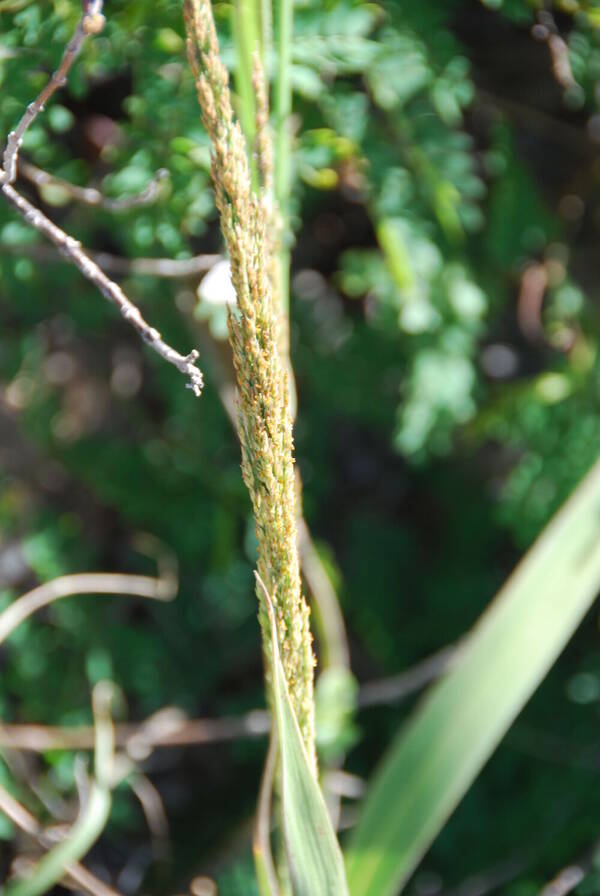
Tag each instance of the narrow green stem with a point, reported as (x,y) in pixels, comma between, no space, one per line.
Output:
(283,157)
(247,36)
(86,830)
(266,32)
(92,820)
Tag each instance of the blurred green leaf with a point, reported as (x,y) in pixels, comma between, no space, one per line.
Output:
(458,726)
(316,863)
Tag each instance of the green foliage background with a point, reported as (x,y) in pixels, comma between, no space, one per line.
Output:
(436,158)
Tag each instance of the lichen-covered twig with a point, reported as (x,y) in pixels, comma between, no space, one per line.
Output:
(91,22)
(265,421)
(90,195)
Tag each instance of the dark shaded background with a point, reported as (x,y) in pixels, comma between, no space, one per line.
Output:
(485,164)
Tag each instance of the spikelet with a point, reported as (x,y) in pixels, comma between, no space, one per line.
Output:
(263,152)
(265,422)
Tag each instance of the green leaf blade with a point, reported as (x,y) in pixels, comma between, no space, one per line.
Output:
(315,858)
(454,731)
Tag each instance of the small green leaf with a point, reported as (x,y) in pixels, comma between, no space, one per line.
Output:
(315,858)
(459,725)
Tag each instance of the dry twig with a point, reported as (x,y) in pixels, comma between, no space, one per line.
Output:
(546,30)
(39,738)
(91,22)
(186,364)
(170,728)
(165,268)
(87,25)
(90,195)
(399,687)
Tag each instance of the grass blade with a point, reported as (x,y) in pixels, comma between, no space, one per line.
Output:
(457,727)
(53,866)
(315,858)
(266,876)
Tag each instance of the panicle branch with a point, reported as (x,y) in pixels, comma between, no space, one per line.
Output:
(265,421)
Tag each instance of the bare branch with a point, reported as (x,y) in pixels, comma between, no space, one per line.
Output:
(18,814)
(23,771)
(153,808)
(198,731)
(566,880)
(546,30)
(39,739)
(170,728)
(532,291)
(91,23)
(186,364)
(167,268)
(570,877)
(398,687)
(91,196)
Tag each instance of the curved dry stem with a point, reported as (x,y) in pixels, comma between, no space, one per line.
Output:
(90,195)
(25,821)
(83,583)
(153,808)
(399,687)
(94,815)
(330,624)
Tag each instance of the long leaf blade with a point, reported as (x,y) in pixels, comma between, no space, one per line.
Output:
(457,727)
(315,858)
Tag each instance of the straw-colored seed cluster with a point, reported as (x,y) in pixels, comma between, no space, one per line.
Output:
(265,421)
